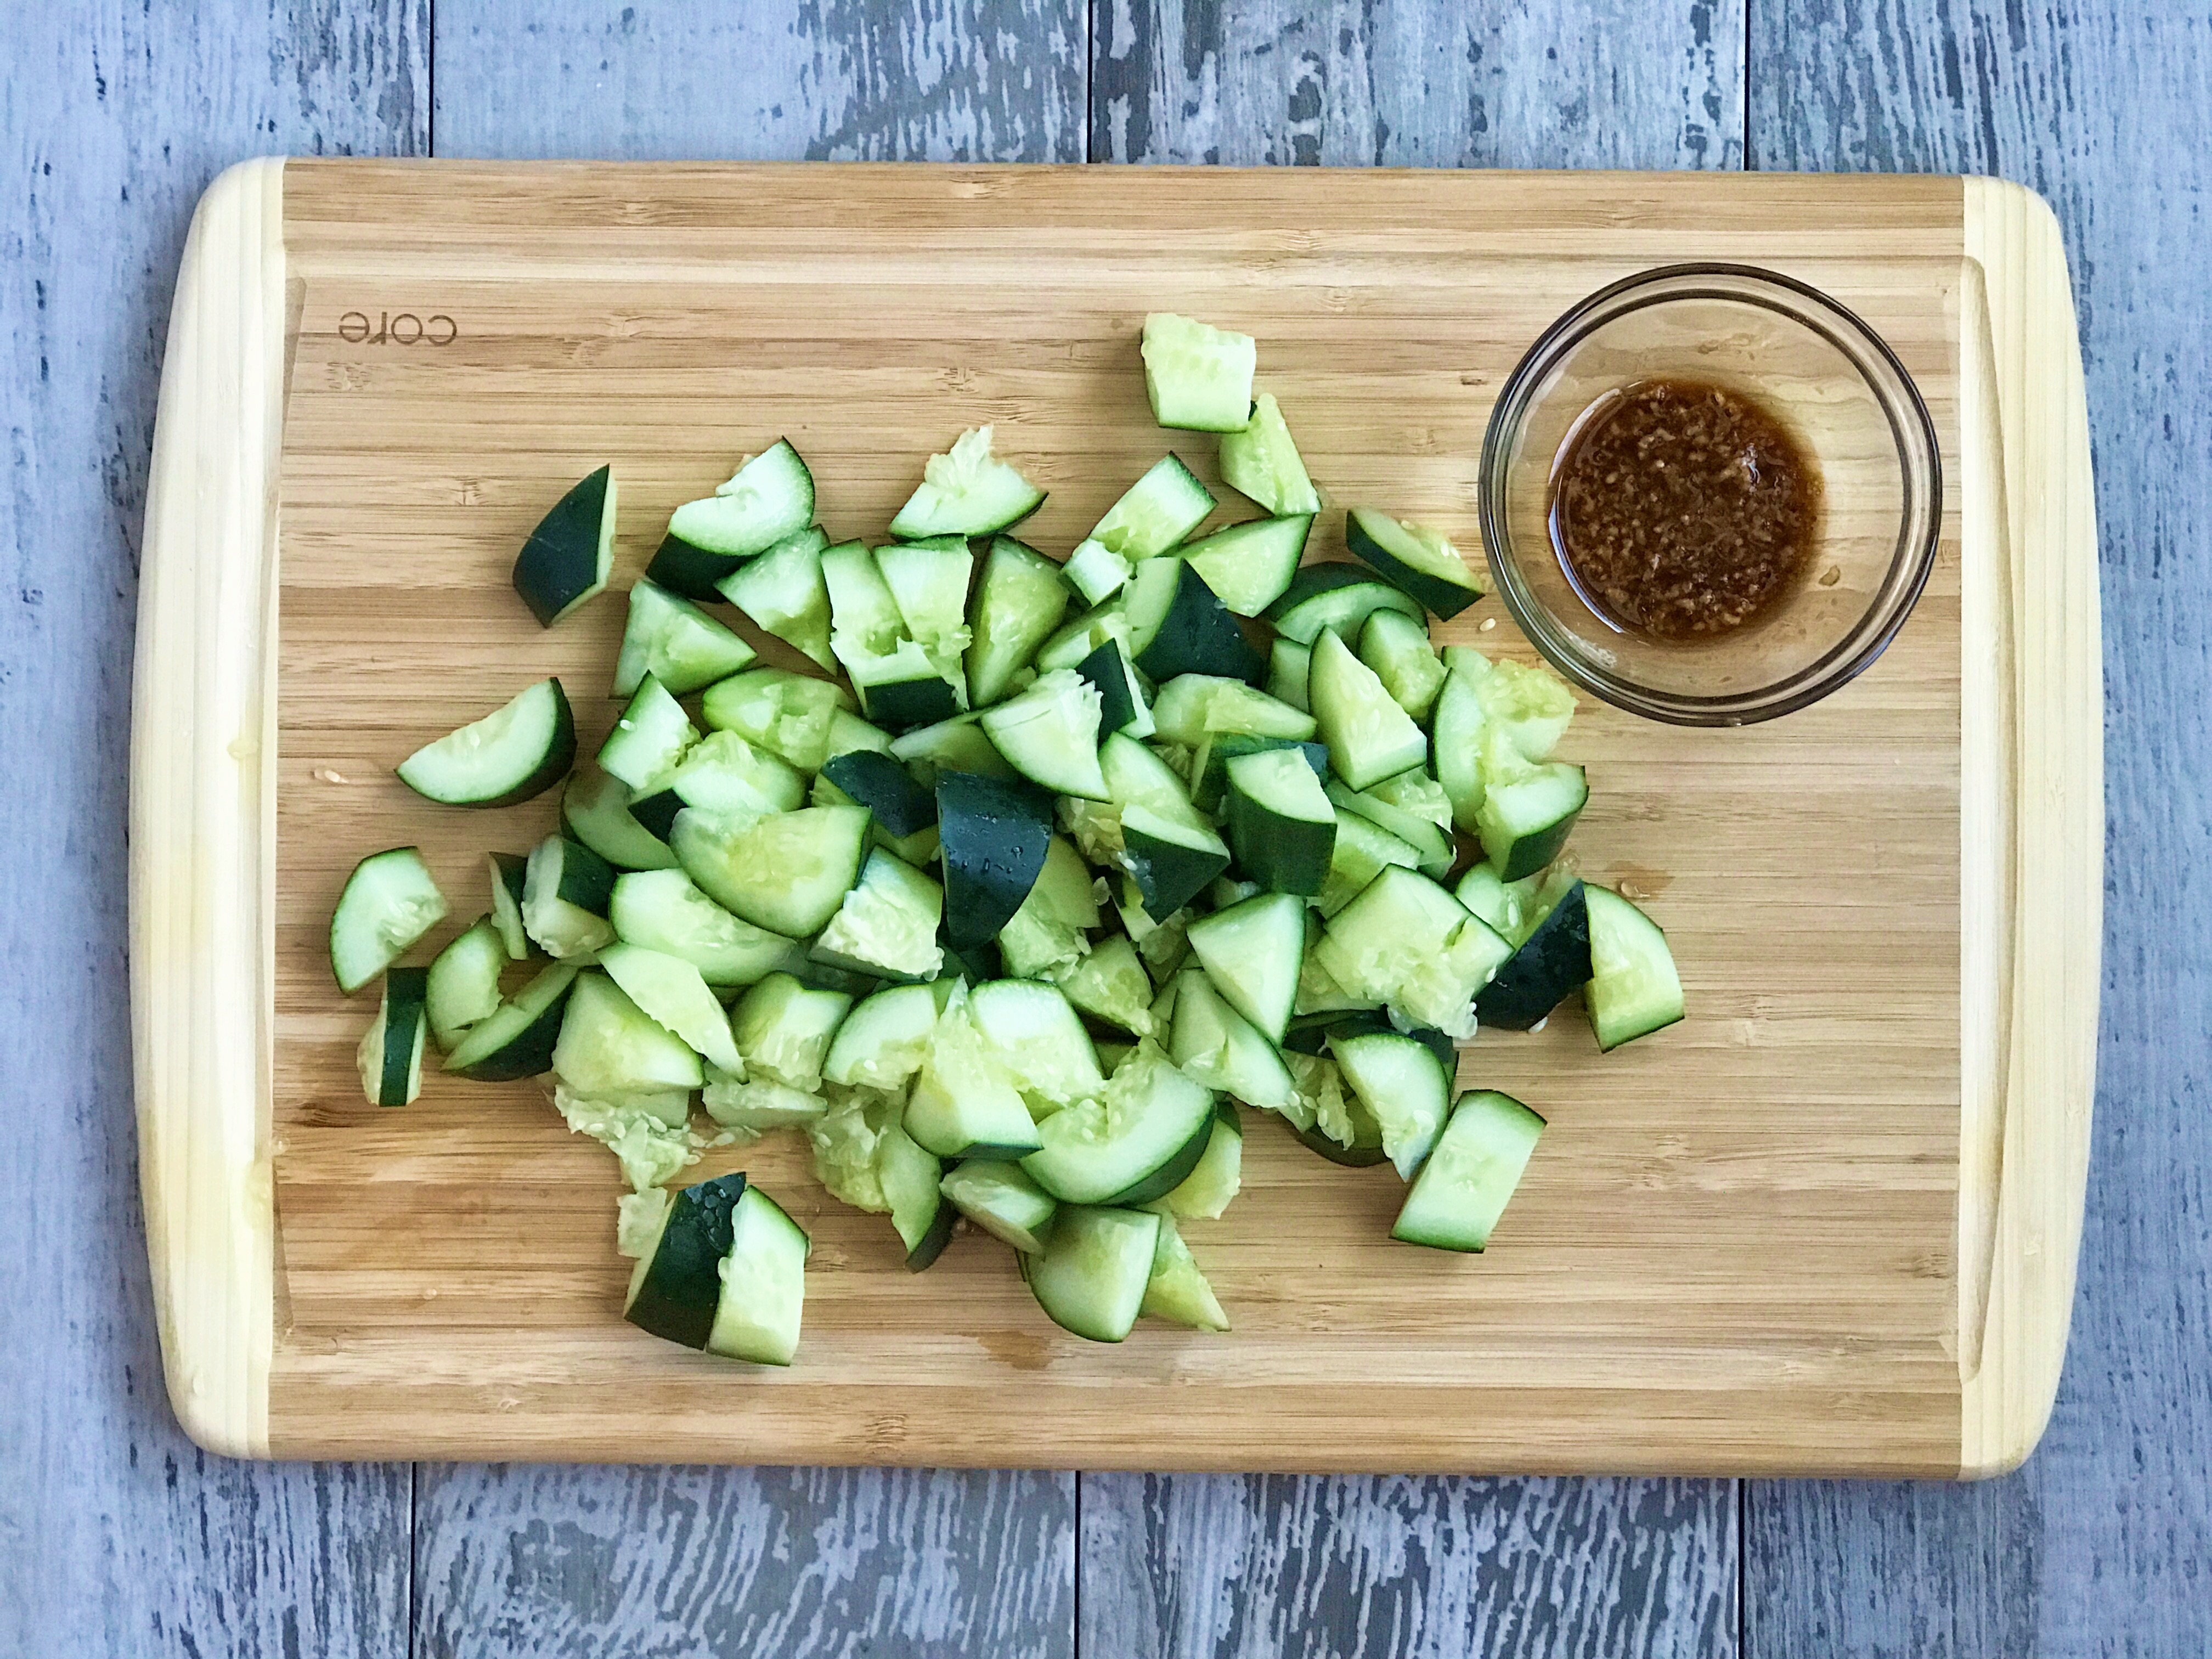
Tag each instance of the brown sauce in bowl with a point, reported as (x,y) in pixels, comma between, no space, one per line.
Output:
(1682,510)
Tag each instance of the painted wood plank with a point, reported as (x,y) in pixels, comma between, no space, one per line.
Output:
(2099,1544)
(1593,83)
(1185,1565)
(802,1563)
(1251,1567)
(778,80)
(113,1527)
(812,1563)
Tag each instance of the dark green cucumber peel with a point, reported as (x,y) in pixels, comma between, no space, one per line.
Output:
(1103,669)
(529,1052)
(690,571)
(681,1285)
(1554,961)
(1169,874)
(1199,634)
(995,836)
(900,705)
(559,566)
(406,993)
(874,780)
(932,1243)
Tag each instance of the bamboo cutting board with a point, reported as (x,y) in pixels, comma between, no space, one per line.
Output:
(1828,1224)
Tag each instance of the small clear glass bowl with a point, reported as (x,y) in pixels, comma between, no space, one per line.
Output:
(1838,390)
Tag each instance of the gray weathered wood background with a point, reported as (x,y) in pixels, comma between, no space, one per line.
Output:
(116,1537)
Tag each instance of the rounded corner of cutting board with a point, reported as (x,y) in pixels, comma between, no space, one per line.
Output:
(202,746)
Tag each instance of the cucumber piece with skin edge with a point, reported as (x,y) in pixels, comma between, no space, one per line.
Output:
(595,811)
(515,753)
(1154,514)
(462,989)
(1282,827)
(1533,707)
(1250,565)
(919,849)
(1050,734)
(785,872)
(887,925)
(1047,937)
(1190,708)
(1209,1189)
(1289,664)
(786,1029)
(388,903)
(1525,821)
(1397,648)
(566,888)
(757,1314)
(673,993)
(964,1103)
(958,744)
(1406,942)
(1420,562)
(1075,639)
(664,910)
(509,875)
(912,1180)
(564,561)
(929,581)
(669,637)
(519,1039)
(783,591)
(883,1041)
(789,715)
(1197,378)
(1252,952)
(1369,737)
(1364,1151)
(1480,889)
(1096,572)
(1019,601)
(905,690)
(609,1049)
(1215,1045)
(994,837)
(1363,851)
(722,773)
(1032,1030)
(1462,1191)
(967,491)
(1138,1140)
(390,1057)
(1338,596)
(1091,1275)
(1001,1200)
(649,737)
(901,806)
(1209,763)
(1433,850)
(1178,625)
(1544,970)
(1263,463)
(1176,1291)
(1404,1086)
(1110,986)
(769,497)
(1167,844)
(1455,744)
(1634,988)
(675,1288)
(1121,706)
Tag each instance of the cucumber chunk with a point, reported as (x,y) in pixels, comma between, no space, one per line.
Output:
(565,892)
(1252,952)
(1091,1275)
(649,737)
(967,491)
(763,1289)
(519,751)
(1263,462)
(1634,989)
(786,873)
(390,1053)
(595,809)
(1420,562)
(1175,1290)
(1198,378)
(1155,512)
(1019,601)
(1136,1141)
(462,990)
(1049,734)
(519,1039)
(1368,736)
(1251,565)
(565,561)
(1001,1200)
(674,640)
(1338,596)
(1403,1087)
(782,590)
(389,902)
(1457,1199)
(673,992)
(664,910)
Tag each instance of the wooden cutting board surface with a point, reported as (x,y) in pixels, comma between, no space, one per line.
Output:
(1827,1223)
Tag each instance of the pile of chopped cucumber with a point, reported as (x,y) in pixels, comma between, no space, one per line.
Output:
(1029,880)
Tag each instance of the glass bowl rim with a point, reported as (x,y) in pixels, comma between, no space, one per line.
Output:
(1919,535)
